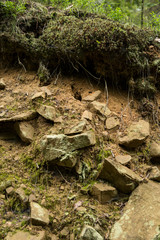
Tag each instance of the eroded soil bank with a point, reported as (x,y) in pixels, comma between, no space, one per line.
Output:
(64,191)
(79,125)
(70,42)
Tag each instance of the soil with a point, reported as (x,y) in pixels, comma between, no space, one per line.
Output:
(59,189)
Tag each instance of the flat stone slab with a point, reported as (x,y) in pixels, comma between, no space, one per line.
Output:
(46,90)
(20,193)
(92,97)
(87,115)
(124,179)
(103,192)
(61,149)
(38,95)
(48,112)
(77,128)
(141,217)
(89,233)
(39,215)
(154,174)
(155,151)
(99,108)
(30,115)
(112,123)
(137,133)
(123,159)
(25,131)
(21,235)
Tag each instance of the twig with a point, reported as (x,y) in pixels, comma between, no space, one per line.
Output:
(55,82)
(63,177)
(20,63)
(74,66)
(54,71)
(69,7)
(106,88)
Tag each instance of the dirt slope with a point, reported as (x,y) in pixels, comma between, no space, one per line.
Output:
(58,189)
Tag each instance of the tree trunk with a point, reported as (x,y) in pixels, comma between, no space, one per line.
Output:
(142,13)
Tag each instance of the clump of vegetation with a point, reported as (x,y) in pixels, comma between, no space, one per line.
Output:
(74,40)
(10,8)
(43,74)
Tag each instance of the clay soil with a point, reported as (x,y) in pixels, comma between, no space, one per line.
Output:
(58,189)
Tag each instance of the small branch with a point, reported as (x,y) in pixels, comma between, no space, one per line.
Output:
(63,176)
(106,88)
(69,7)
(55,82)
(20,63)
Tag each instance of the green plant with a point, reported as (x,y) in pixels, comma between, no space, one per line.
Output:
(13,8)
(154,21)
(43,74)
(116,14)
(103,154)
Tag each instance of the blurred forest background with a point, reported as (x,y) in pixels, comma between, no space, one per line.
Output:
(144,13)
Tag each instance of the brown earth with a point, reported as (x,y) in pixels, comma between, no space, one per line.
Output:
(59,189)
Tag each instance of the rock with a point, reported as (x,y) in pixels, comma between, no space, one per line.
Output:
(47,112)
(81,209)
(39,215)
(20,235)
(61,149)
(154,174)
(2,197)
(4,185)
(2,84)
(25,131)
(99,108)
(112,123)
(89,233)
(140,220)
(32,198)
(30,115)
(9,190)
(137,134)
(92,97)
(38,95)
(2,114)
(58,120)
(155,151)
(123,159)
(64,232)
(77,128)
(105,135)
(46,90)
(87,115)
(20,193)
(120,176)
(53,237)
(9,215)
(72,237)
(103,192)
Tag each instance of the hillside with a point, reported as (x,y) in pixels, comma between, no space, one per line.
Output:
(79,127)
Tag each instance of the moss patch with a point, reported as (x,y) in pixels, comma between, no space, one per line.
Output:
(76,42)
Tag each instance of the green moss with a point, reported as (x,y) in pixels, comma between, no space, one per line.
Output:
(69,40)
(86,188)
(103,154)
